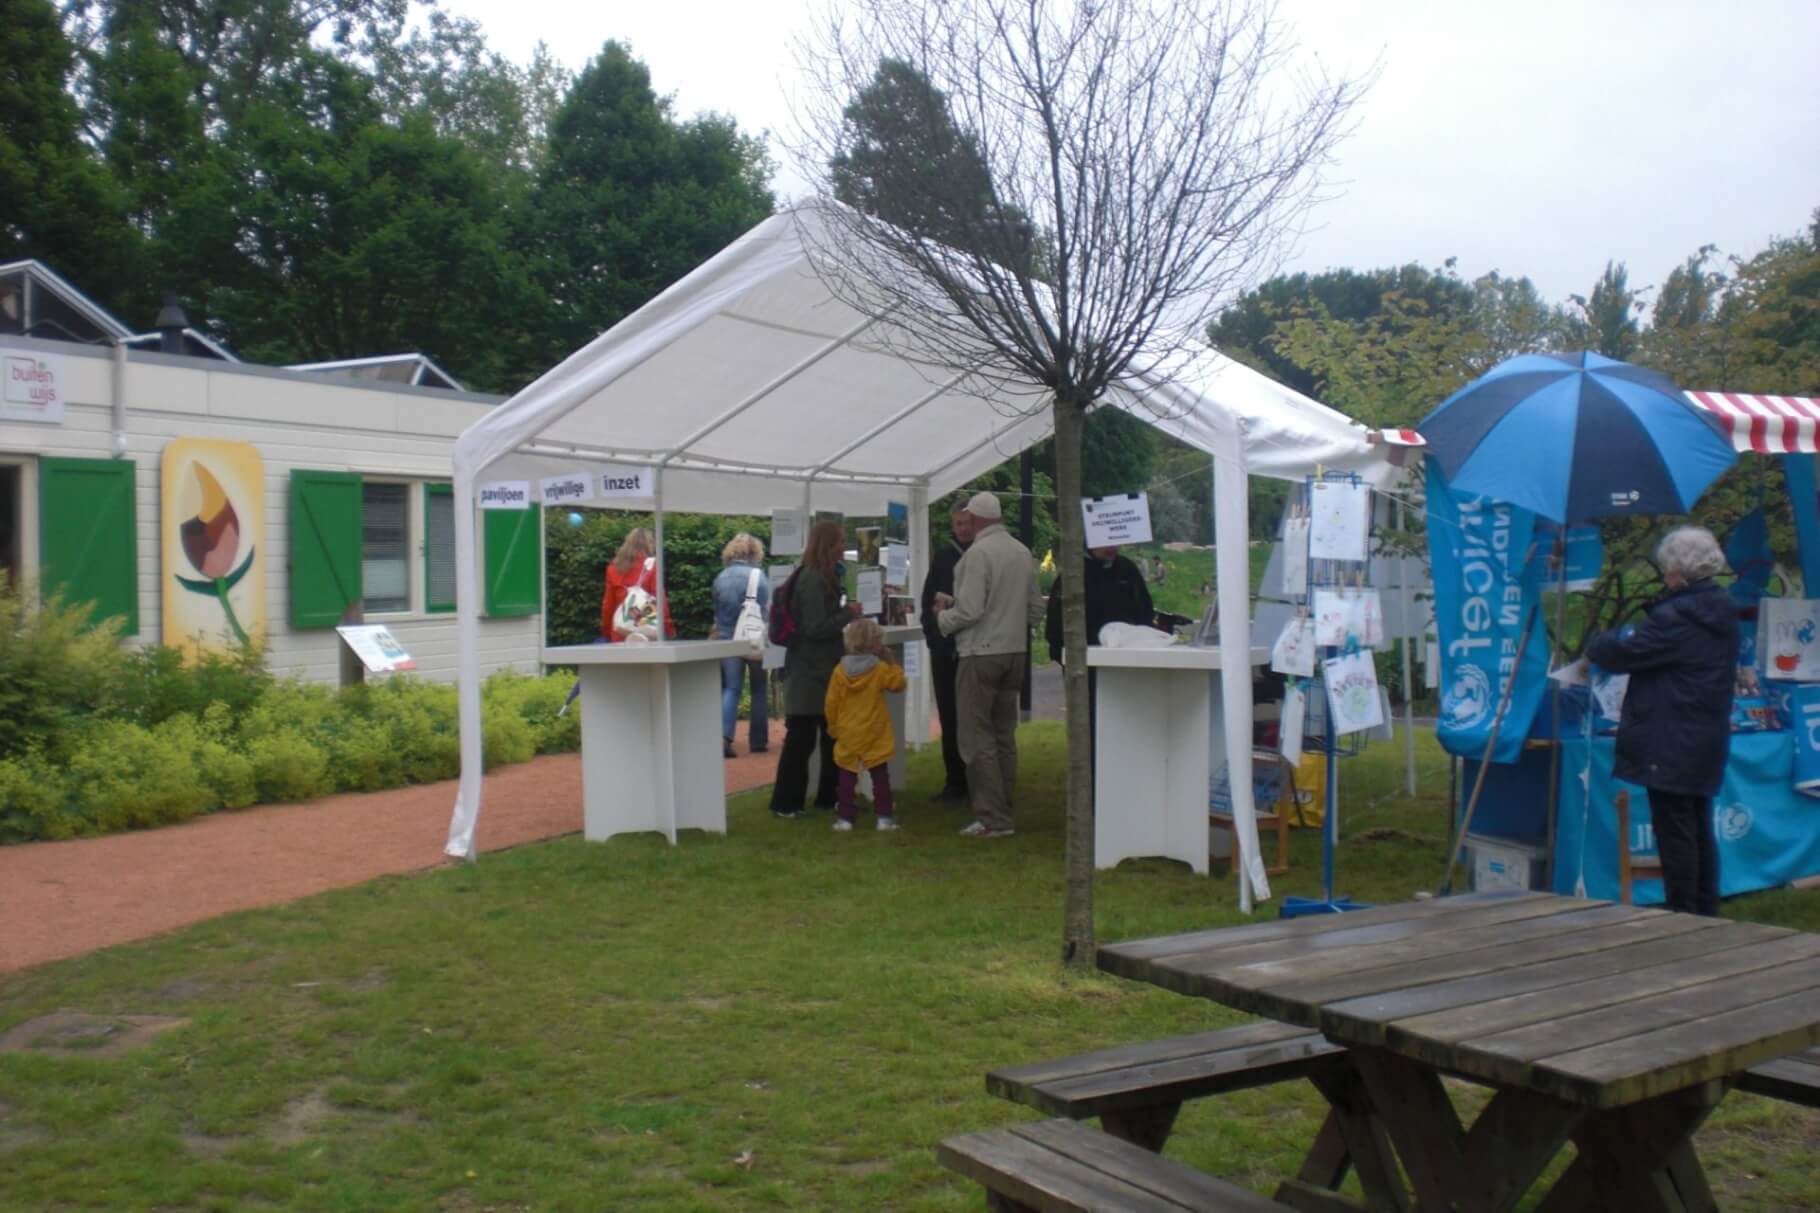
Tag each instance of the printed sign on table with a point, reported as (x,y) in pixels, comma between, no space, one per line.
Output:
(506,495)
(34,387)
(1115,521)
(376,647)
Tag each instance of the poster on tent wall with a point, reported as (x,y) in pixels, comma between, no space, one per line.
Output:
(789,528)
(1485,587)
(212,507)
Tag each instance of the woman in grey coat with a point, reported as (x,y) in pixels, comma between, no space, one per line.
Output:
(814,650)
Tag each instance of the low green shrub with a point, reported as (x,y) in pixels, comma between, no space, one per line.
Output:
(539,702)
(31,799)
(57,667)
(158,682)
(121,776)
(287,766)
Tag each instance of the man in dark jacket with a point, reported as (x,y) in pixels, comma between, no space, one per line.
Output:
(944,661)
(1115,592)
(1675,731)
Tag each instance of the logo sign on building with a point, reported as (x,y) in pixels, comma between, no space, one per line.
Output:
(213,520)
(33,388)
(1115,521)
(506,495)
(572,489)
(622,481)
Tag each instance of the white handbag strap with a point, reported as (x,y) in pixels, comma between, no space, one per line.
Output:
(752,586)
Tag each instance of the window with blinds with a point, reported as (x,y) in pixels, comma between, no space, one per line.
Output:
(385,533)
(439,547)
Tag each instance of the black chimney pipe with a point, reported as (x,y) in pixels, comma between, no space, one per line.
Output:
(170,324)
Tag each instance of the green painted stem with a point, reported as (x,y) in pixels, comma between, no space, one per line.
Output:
(221,592)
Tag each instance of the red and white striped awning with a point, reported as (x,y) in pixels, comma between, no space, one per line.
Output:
(1768,425)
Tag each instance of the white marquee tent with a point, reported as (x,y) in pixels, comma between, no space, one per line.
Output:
(748,386)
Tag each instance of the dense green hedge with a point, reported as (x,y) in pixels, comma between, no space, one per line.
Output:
(96,738)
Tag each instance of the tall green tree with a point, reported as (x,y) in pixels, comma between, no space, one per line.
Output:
(58,203)
(371,236)
(1608,319)
(1246,329)
(629,200)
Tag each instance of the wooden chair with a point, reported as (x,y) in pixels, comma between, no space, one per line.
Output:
(1630,868)
(1271,776)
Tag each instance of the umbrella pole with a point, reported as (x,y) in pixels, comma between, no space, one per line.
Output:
(1491,744)
(1554,692)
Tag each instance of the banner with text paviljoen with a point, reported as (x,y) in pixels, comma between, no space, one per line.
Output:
(1485,587)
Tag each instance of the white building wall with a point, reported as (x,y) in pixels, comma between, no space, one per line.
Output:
(295,420)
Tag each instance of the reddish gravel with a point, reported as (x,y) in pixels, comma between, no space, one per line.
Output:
(61,899)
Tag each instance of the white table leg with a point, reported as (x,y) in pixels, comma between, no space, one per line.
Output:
(650,750)
(895,705)
(1150,786)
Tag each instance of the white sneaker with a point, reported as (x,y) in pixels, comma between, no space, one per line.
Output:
(973,829)
(887,823)
(842,825)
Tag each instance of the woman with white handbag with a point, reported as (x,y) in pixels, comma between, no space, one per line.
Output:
(742,605)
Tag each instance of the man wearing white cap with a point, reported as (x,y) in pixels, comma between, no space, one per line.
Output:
(996,603)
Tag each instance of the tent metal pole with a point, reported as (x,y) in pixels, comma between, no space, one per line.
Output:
(657,505)
(1409,698)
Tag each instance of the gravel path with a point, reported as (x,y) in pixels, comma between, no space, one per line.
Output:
(61,899)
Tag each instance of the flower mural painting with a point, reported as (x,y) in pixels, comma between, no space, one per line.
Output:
(211,540)
(212,512)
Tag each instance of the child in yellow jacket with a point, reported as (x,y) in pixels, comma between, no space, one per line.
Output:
(859,721)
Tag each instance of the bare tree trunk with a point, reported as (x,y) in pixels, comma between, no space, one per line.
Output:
(1077,906)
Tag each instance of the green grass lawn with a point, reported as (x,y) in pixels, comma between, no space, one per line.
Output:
(780,1018)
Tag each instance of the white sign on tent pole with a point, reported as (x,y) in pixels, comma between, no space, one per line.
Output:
(506,495)
(1114,521)
(871,583)
(621,482)
(572,489)
(787,531)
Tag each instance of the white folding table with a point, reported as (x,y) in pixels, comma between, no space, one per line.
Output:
(650,735)
(1160,733)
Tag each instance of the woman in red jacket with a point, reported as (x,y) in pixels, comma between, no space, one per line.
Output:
(635,565)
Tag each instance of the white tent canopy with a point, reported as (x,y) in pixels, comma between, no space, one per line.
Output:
(749,386)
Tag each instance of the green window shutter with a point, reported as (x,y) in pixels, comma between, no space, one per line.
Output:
(438,547)
(88,535)
(325,547)
(514,578)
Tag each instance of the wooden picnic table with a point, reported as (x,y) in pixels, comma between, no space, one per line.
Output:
(1610,1026)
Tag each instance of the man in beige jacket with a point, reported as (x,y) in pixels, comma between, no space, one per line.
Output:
(996,603)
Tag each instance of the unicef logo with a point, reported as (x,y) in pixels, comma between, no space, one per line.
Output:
(1467,703)
(1734,822)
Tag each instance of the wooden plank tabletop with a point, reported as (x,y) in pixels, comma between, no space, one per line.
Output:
(1588,1001)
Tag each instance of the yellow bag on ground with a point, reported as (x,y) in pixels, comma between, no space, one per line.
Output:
(1306,805)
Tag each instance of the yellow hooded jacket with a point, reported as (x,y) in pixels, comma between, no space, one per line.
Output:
(856,712)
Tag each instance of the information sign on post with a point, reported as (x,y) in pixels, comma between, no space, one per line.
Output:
(1116,521)
(376,647)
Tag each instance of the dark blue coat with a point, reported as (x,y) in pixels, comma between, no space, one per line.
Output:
(1682,661)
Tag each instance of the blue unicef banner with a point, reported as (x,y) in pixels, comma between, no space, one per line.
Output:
(1804,500)
(1804,722)
(1485,585)
(1764,827)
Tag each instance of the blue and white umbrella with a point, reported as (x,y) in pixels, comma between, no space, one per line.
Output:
(1577,436)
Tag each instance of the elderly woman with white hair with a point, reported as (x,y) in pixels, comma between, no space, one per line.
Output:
(1675,733)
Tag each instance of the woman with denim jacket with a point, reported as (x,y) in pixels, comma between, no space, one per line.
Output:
(743,557)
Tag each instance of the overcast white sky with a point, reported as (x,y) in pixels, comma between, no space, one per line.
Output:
(1535,137)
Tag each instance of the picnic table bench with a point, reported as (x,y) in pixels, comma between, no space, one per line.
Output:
(1795,1079)
(1137,1090)
(1062,1166)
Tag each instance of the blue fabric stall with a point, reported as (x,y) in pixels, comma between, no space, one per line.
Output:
(1768,833)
